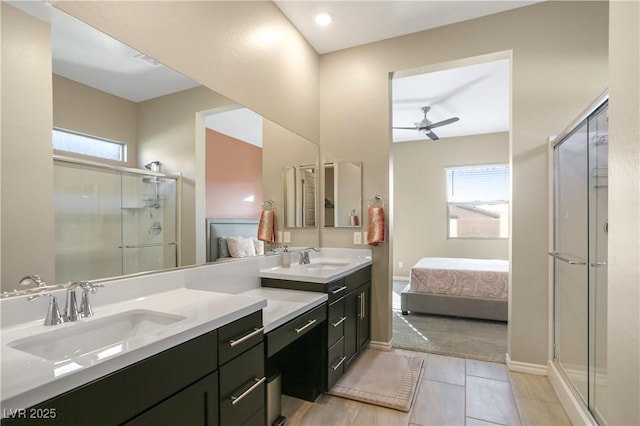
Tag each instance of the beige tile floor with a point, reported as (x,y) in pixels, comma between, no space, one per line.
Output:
(452,391)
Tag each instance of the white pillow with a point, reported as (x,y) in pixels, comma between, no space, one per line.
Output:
(259,246)
(241,246)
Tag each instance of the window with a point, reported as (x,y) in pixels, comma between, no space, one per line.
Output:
(478,201)
(88,145)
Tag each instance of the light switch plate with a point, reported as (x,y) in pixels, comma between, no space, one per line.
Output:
(357,238)
(287,236)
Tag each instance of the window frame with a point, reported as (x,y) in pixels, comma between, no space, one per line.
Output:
(473,204)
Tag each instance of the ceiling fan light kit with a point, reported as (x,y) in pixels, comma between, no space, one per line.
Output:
(425,125)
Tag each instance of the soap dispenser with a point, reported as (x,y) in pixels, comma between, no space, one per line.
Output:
(285,259)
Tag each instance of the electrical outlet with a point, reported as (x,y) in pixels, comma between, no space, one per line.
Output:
(287,237)
(357,238)
(401,264)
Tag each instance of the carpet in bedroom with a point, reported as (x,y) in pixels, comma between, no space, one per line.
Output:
(459,337)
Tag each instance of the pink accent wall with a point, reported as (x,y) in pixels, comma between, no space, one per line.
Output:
(234,172)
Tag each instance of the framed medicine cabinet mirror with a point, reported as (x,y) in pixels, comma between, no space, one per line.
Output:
(343,194)
(300,189)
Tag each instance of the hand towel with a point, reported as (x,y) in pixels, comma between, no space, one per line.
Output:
(375,234)
(267,226)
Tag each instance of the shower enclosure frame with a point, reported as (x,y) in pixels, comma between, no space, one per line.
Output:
(142,172)
(584,411)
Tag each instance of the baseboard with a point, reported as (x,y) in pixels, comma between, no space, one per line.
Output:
(576,411)
(381,346)
(525,367)
(400,278)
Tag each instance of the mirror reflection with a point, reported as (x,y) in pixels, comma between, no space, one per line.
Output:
(300,192)
(154,122)
(343,194)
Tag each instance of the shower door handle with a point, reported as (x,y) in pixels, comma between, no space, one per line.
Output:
(566,259)
(148,245)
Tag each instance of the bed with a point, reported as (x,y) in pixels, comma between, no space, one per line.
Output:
(220,229)
(472,288)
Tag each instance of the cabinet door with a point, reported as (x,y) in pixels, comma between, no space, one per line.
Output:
(351,309)
(364,316)
(196,405)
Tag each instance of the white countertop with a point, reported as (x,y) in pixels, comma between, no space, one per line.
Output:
(284,305)
(28,379)
(321,269)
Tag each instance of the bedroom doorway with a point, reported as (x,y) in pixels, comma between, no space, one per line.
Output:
(450,148)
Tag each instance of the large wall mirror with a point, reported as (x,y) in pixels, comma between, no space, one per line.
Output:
(343,194)
(162,125)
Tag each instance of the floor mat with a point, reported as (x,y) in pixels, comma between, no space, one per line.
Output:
(381,378)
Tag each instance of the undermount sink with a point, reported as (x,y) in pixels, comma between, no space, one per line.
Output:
(84,337)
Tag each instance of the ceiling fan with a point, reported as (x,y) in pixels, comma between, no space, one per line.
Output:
(425,125)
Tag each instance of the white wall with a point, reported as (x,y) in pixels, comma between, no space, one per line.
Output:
(419,197)
(623,379)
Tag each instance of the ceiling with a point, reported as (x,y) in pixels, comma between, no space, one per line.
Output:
(360,22)
(478,94)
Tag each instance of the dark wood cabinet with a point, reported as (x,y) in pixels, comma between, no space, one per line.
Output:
(348,328)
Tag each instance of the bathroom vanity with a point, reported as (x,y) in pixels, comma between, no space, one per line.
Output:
(347,283)
(182,348)
(216,377)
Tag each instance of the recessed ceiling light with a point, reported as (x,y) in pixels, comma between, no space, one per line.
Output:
(147,59)
(323,19)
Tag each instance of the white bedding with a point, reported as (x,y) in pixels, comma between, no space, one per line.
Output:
(488,278)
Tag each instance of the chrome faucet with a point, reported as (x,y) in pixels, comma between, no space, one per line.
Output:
(53,314)
(85,306)
(304,255)
(73,312)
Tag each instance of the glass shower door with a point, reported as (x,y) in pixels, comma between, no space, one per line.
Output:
(580,259)
(571,350)
(598,228)
(148,223)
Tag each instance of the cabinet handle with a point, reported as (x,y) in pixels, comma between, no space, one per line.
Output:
(335,367)
(340,321)
(338,290)
(364,304)
(234,342)
(308,324)
(236,399)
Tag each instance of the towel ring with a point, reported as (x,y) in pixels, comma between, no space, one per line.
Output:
(268,205)
(376,199)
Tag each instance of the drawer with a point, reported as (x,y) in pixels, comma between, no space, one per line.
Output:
(358,278)
(238,336)
(336,363)
(336,290)
(287,333)
(242,387)
(335,322)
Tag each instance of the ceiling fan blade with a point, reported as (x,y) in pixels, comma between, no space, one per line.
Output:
(405,128)
(432,135)
(442,123)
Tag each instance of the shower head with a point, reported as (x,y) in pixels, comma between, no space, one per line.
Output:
(154,166)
